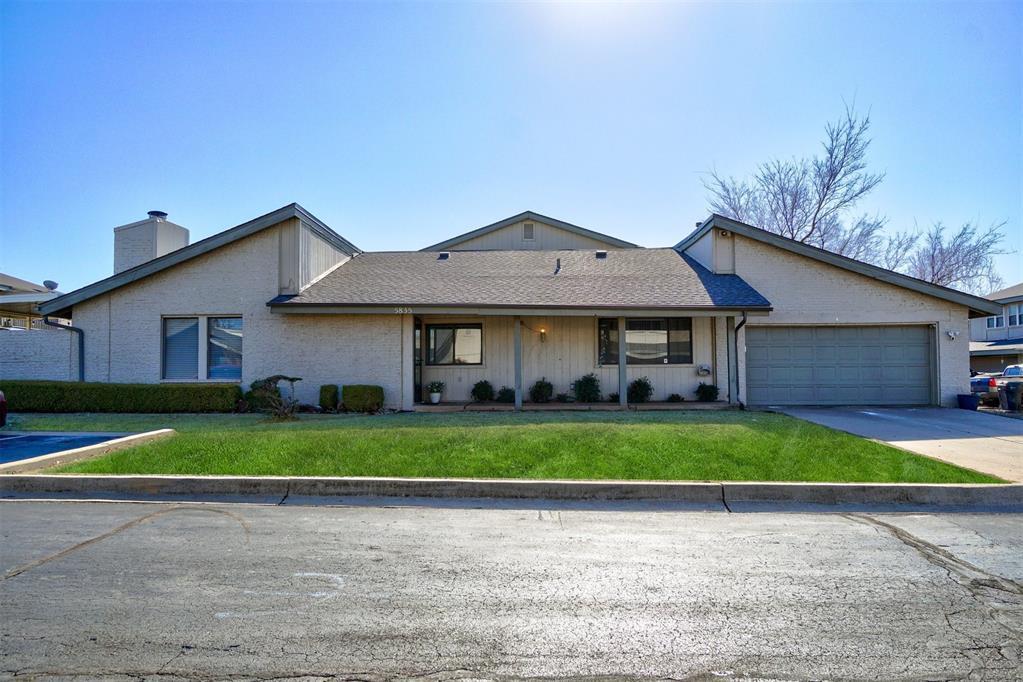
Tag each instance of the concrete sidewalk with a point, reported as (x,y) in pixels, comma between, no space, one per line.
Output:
(978,441)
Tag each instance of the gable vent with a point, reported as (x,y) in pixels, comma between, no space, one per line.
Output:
(528,232)
(443,255)
(601,254)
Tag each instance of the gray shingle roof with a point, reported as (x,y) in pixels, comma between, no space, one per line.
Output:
(1010,292)
(626,278)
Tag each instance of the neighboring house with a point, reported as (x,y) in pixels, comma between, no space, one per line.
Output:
(767,319)
(997,340)
(28,347)
(20,299)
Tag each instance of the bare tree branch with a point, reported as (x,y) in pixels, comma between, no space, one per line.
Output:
(963,261)
(812,201)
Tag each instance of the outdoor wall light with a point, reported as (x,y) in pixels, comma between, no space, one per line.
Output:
(543,335)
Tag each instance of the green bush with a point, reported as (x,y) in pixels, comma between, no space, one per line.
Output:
(362,398)
(612,397)
(587,389)
(76,396)
(329,397)
(640,390)
(564,398)
(483,391)
(706,393)
(505,395)
(541,391)
(676,398)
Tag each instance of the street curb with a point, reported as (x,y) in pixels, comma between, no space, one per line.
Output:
(983,495)
(25,466)
(277,490)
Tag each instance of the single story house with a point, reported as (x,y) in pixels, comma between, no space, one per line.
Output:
(997,340)
(769,320)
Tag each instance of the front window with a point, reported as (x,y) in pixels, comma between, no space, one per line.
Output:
(181,348)
(1015,318)
(454,344)
(648,341)
(995,322)
(182,339)
(224,354)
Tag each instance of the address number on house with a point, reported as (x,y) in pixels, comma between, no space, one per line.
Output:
(402,311)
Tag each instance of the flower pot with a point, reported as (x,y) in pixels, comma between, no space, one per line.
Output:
(435,398)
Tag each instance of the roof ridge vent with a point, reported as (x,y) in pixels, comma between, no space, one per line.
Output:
(601,253)
(443,255)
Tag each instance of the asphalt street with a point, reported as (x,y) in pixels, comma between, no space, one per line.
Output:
(218,591)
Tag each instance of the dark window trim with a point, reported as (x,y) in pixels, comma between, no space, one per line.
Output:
(613,362)
(453,326)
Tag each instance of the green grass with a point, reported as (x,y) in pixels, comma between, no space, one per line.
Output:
(739,446)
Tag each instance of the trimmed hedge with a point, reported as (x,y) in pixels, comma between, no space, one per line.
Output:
(362,398)
(329,397)
(75,396)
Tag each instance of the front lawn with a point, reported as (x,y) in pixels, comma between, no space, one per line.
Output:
(727,445)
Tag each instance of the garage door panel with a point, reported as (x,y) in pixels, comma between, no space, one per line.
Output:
(838,365)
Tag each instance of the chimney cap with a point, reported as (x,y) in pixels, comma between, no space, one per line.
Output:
(159,215)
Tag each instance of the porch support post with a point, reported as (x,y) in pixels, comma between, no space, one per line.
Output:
(623,377)
(407,363)
(733,369)
(517,326)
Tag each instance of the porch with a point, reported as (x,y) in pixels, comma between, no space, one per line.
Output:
(676,351)
(661,406)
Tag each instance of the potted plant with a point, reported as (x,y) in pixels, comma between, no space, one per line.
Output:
(435,388)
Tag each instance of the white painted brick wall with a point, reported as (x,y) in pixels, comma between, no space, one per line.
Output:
(806,291)
(47,354)
(123,328)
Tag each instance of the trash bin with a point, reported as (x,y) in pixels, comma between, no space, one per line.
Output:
(1013,392)
(968,401)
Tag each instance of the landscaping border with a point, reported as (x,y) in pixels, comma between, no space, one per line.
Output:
(737,496)
(24,466)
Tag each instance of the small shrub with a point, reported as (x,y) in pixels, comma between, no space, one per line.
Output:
(612,397)
(541,391)
(329,397)
(268,390)
(483,391)
(435,387)
(80,396)
(676,398)
(640,390)
(362,398)
(587,389)
(707,393)
(505,395)
(563,398)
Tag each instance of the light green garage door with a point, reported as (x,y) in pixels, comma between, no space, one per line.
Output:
(838,365)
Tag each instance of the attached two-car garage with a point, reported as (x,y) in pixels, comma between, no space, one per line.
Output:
(840,365)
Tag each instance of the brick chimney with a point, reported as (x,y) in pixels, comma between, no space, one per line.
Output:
(137,243)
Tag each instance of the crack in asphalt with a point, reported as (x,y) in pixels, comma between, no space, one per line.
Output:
(974,580)
(942,558)
(13,573)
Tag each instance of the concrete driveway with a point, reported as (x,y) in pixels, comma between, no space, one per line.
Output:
(983,442)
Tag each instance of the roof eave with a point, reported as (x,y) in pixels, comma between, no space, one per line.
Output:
(975,304)
(530,215)
(63,304)
(287,304)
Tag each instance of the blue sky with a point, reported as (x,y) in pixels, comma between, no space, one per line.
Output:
(402,124)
